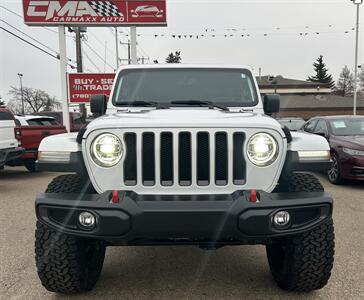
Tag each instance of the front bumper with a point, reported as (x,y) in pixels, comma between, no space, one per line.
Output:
(352,167)
(9,155)
(195,219)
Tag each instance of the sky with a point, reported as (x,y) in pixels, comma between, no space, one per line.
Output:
(285,37)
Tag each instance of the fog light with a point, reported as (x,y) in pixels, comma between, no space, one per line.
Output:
(87,219)
(281,218)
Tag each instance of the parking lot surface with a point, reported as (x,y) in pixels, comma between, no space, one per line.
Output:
(174,272)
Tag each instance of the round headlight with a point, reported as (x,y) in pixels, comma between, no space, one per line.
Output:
(262,149)
(107,150)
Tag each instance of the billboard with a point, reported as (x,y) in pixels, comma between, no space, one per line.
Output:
(95,13)
(81,86)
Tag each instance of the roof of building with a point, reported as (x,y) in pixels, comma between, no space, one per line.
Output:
(280,82)
(295,101)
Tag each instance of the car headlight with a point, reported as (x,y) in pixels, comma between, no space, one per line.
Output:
(353,152)
(262,149)
(107,150)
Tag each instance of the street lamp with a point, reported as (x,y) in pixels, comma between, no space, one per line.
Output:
(357,3)
(21,90)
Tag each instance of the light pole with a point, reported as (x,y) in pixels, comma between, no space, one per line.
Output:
(357,3)
(21,91)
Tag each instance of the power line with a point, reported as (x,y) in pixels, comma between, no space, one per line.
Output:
(98,55)
(27,35)
(21,17)
(91,61)
(35,46)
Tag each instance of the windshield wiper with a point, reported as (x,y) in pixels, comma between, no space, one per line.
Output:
(139,103)
(200,102)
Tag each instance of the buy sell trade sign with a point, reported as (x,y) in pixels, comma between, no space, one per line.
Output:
(81,86)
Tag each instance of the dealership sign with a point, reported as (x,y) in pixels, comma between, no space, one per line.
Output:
(81,86)
(95,13)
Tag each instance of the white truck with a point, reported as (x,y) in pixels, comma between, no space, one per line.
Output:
(184,155)
(9,145)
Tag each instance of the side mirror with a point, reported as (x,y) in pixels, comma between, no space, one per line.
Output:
(98,104)
(271,104)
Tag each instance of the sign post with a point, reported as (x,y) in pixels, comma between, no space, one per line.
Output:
(63,68)
(86,13)
(133,45)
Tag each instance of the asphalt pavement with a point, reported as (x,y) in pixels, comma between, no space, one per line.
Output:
(173,272)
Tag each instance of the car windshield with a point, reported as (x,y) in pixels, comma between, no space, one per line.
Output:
(347,126)
(43,122)
(292,125)
(226,87)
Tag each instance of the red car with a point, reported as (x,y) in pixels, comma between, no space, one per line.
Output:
(345,135)
(75,119)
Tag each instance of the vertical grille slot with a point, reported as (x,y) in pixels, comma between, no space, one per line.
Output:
(221,159)
(203,159)
(184,159)
(166,159)
(239,166)
(130,163)
(148,162)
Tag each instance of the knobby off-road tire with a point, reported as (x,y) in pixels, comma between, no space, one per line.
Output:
(67,264)
(304,262)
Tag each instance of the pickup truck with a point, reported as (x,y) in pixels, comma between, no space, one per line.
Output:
(76,122)
(9,145)
(30,131)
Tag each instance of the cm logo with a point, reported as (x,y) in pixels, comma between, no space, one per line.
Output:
(50,9)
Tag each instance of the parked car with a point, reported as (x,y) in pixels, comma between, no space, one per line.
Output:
(9,145)
(30,131)
(346,138)
(293,124)
(75,119)
(163,169)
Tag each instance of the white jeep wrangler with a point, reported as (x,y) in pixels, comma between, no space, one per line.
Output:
(184,155)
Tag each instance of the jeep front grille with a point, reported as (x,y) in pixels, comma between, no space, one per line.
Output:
(184,158)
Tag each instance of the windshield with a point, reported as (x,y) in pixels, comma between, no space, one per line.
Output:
(227,87)
(292,125)
(347,127)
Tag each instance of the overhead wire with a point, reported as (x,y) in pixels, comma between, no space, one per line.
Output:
(98,55)
(33,45)
(27,35)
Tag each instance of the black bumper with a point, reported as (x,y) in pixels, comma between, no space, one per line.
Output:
(9,155)
(195,219)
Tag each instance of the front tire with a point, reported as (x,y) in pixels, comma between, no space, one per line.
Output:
(304,262)
(67,264)
(334,174)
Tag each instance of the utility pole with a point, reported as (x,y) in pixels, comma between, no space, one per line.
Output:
(21,91)
(357,3)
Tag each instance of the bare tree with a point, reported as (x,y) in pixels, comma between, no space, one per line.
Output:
(35,100)
(361,83)
(345,84)
(2,102)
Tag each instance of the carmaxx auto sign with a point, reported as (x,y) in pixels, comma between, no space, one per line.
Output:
(95,13)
